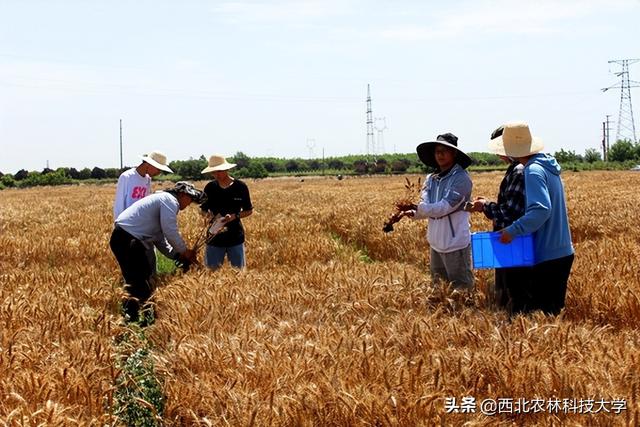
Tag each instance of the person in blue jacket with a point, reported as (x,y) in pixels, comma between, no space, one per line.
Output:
(545,216)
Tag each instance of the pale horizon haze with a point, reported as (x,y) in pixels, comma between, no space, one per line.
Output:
(289,78)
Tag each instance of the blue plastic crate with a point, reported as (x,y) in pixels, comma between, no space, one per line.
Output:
(488,252)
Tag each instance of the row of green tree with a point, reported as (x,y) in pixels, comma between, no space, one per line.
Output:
(621,151)
(59,176)
(260,167)
(620,156)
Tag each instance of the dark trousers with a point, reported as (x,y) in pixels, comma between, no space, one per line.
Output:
(131,254)
(512,286)
(545,289)
(551,279)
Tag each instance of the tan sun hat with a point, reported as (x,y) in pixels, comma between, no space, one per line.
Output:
(516,141)
(157,159)
(217,162)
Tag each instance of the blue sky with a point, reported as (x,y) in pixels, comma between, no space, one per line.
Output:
(289,78)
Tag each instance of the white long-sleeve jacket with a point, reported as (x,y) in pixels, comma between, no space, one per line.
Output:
(442,201)
(131,188)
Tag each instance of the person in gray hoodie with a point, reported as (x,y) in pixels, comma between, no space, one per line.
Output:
(443,198)
(545,216)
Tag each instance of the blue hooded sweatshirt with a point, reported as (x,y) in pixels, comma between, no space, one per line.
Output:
(546,210)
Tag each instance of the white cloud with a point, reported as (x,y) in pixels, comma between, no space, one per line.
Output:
(278,12)
(503,17)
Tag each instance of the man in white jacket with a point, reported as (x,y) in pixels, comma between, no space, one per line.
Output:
(443,198)
(135,183)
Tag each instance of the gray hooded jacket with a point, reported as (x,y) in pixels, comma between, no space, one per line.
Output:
(442,201)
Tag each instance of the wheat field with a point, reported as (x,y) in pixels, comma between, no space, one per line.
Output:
(332,323)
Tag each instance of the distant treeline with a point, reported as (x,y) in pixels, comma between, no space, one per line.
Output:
(622,155)
(262,167)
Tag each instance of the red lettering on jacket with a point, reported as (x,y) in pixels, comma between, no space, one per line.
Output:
(138,192)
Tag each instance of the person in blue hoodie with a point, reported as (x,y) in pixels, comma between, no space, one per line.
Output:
(545,216)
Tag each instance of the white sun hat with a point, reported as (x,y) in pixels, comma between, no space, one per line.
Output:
(217,162)
(157,159)
(516,141)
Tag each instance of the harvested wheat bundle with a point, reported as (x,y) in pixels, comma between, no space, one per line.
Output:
(404,204)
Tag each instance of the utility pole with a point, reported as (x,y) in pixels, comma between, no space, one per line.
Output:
(604,141)
(608,134)
(120,144)
(371,145)
(626,124)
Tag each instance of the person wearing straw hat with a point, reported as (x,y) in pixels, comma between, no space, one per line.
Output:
(148,223)
(135,183)
(509,282)
(545,215)
(442,202)
(230,198)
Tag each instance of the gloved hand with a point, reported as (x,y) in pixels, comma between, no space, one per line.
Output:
(189,256)
(185,259)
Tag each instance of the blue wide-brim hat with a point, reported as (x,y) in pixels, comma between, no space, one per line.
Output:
(426,151)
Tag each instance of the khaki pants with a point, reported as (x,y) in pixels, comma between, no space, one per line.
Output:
(452,267)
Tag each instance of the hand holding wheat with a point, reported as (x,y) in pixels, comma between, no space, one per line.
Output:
(405,206)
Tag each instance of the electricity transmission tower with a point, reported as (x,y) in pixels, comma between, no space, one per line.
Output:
(626,124)
(311,143)
(371,144)
(380,129)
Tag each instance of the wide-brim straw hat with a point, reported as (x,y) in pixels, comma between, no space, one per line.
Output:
(158,160)
(516,141)
(217,162)
(426,151)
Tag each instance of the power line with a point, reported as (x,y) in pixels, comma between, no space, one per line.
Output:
(102,88)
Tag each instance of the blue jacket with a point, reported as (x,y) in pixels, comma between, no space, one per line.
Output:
(546,210)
